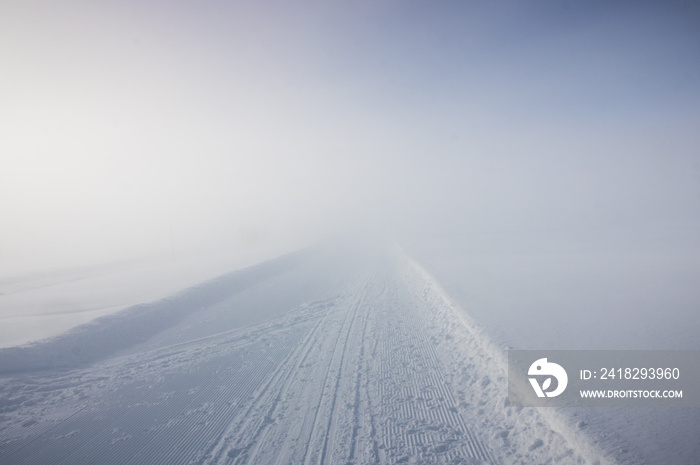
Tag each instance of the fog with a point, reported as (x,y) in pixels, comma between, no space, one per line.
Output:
(540,160)
(142,129)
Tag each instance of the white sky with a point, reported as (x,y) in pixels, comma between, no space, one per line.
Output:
(130,127)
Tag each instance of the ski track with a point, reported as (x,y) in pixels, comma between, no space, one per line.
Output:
(381,370)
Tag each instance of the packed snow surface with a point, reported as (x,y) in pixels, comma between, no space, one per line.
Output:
(317,357)
(39,305)
(618,289)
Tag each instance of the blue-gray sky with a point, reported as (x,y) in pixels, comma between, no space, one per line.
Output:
(127,127)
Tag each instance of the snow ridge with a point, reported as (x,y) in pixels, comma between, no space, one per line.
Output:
(543,433)
(107,335)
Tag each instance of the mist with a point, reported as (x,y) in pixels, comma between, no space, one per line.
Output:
(144,129)
(529,169)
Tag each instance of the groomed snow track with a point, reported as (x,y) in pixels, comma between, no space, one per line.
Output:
(382,369)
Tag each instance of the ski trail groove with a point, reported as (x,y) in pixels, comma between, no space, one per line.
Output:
(377,369)
(356,308)
(309,452)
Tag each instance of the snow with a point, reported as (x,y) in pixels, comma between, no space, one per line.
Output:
(317,357)
(41,305)
(562,290)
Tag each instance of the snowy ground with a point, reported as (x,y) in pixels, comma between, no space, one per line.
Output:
(618,289)
(42,305)
(318,357)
